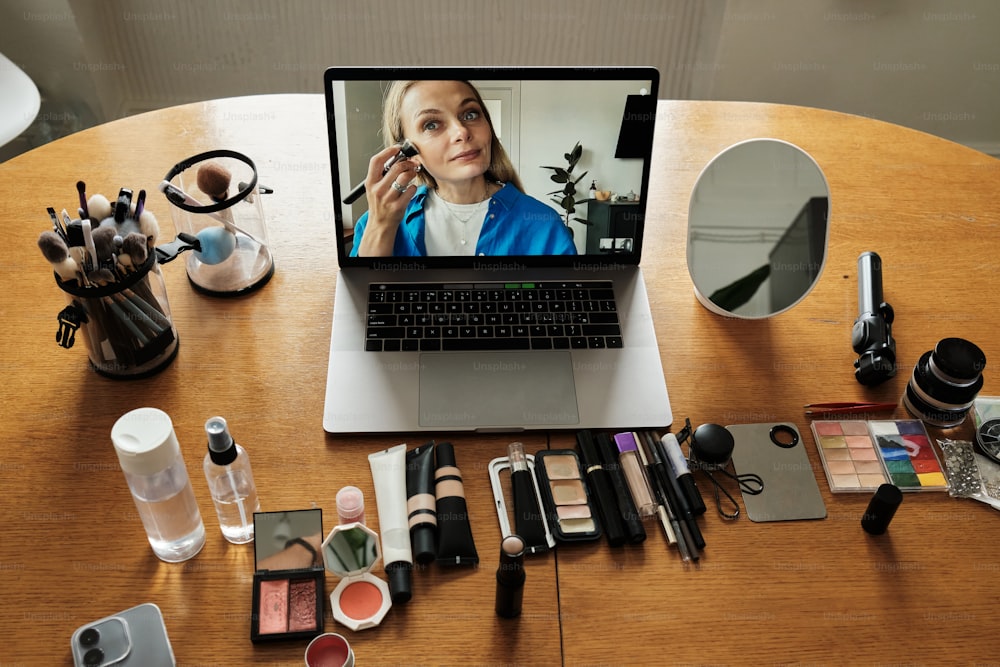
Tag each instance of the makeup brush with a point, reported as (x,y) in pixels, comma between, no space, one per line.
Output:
(134,247)
(138,313)
(140,204)
(81,189)
(177,196)
(101,277)
(213,179)
(57,225)
(104,242)
(149,226)
(99,207)
(123,317)
(55,251)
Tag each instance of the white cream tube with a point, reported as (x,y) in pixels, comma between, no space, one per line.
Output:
(389,474)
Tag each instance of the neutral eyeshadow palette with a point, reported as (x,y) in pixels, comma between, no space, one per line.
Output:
(861,455)
(565,497)
(288,582)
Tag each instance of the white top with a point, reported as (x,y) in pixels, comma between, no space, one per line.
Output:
(452,229)
(145,442)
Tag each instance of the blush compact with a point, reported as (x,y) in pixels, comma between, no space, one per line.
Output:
(361,600)
(289,579)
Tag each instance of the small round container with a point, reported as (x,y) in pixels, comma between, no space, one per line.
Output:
(881,509)
(329,650)
(351,505)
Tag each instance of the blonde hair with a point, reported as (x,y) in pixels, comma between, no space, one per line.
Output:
(501,169)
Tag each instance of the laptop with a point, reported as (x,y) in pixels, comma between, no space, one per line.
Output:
(525,324)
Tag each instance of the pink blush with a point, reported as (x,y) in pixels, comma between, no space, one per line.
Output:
(361,600)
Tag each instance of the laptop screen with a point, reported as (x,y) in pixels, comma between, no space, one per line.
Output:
(540,166)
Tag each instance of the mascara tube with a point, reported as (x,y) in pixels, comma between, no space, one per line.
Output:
(510,577)
(527,513)
(628,456)
(601,489)
(634,530)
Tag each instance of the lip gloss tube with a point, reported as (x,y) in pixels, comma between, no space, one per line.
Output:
(527,513)
(510,577)
(628,456)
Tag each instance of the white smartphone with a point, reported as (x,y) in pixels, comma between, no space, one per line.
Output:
(134,637)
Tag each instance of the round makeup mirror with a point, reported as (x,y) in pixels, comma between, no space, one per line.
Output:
(757,229)
(351,549)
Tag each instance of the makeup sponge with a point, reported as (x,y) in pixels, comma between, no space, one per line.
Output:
(213,179)
(217,244)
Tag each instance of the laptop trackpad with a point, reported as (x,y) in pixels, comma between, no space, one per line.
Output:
(497,389)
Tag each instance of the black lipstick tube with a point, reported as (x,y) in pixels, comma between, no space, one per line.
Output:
(527,512)
(601,487)
(510,577)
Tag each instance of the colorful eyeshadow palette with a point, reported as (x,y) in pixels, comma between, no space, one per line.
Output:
(861,455)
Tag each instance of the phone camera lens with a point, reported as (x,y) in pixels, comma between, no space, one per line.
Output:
(93,658)
(89,637)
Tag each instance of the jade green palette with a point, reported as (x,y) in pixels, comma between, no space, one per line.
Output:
(861,455)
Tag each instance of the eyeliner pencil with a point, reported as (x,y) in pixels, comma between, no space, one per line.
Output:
(654,484)
(684,510)
(659,472)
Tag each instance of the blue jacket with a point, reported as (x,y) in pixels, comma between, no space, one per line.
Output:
(516,224)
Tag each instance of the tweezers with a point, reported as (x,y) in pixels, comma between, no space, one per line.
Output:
(847,407)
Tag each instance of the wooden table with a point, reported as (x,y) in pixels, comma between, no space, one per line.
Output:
(72,548)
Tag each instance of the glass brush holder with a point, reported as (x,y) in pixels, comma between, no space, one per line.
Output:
(105,264)
(126,324)
(216,199)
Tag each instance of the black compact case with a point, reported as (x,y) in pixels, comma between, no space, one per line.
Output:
(566,501)
(290,580)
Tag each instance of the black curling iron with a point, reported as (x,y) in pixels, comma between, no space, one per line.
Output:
(406,150)
(871,335)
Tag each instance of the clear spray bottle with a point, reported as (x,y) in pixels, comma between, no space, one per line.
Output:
(230,481)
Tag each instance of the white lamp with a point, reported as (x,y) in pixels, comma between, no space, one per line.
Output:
(19,100)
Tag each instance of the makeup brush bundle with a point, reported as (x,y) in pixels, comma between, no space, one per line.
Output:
(105,261)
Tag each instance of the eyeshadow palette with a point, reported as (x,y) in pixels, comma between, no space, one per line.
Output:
(288,584)
(908,456)
(565,499)
(849,455)
(861,455)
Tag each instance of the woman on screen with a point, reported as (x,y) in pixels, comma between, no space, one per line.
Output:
(459,195)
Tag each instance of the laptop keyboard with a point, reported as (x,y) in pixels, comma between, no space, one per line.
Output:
(492,316)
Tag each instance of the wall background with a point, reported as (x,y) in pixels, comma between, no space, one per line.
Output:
(933,65)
